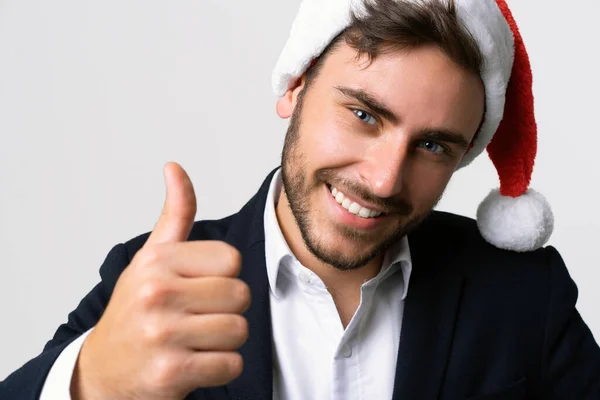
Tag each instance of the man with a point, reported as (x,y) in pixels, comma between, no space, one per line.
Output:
(359,290)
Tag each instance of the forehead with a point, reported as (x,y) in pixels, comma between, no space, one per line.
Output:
(411,80)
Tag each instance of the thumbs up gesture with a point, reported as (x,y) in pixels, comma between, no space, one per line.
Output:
(173,322)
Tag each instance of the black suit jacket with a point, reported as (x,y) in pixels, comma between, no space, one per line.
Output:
(479,322)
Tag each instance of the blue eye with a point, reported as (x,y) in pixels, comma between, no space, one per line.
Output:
(432,147)
(365,117)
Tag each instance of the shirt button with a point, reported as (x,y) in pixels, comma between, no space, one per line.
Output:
(345,351)
(304,278)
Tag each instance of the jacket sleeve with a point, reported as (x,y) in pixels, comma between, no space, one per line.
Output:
(571,358)
(26,383)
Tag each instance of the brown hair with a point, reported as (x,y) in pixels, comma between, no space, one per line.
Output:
(392,25)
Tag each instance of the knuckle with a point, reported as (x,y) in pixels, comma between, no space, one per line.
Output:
(235,365)
(241,294)
(149,255)
(232,260)
(164,372)
(153,293)
(156,333)
(239,328)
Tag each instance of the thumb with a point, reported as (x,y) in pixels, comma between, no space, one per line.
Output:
(179,210)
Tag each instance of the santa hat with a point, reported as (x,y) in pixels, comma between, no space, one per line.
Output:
(512,217)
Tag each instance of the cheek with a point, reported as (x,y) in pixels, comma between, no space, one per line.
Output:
(423,185)
(329,140)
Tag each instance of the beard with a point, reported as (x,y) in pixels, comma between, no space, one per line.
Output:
(297,188)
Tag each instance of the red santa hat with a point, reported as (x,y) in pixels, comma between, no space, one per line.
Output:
(512,217)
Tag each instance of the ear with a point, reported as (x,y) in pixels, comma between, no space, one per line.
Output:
(287,103)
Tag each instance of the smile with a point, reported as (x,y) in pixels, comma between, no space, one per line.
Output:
(353,207)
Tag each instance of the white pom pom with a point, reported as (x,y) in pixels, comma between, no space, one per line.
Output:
(521,223)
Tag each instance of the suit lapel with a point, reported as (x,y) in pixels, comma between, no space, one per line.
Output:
(246,233)
(429,315)
(256,381)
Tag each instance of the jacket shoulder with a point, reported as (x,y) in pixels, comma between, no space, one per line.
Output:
(460,236)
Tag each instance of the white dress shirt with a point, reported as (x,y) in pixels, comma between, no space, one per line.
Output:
(314,357)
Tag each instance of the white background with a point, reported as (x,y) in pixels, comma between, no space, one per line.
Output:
(95,96)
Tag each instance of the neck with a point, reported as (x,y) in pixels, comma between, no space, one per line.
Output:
(334,279)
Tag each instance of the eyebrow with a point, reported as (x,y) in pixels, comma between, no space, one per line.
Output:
(369,101)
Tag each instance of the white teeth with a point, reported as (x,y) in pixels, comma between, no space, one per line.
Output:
(353,207)
(364,212)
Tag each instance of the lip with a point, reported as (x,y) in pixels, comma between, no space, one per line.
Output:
(345,217)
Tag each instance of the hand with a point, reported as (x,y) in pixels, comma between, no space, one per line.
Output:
(174,320)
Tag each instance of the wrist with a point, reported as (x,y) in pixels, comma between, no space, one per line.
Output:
(86,382)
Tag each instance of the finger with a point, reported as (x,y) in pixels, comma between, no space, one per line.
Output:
(210,368)
(197,258)
(211,295)
(211,332)
(179,209)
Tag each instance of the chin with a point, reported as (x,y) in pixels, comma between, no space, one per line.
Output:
(343,250)
(351,248)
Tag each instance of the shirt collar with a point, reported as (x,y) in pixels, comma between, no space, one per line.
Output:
(277,249)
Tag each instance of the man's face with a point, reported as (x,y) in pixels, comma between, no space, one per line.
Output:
(387,136)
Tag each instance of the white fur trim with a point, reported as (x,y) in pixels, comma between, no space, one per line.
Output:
(319,21)
(488,26)
(521,224)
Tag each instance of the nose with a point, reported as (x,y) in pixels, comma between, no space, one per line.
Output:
(383,168)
